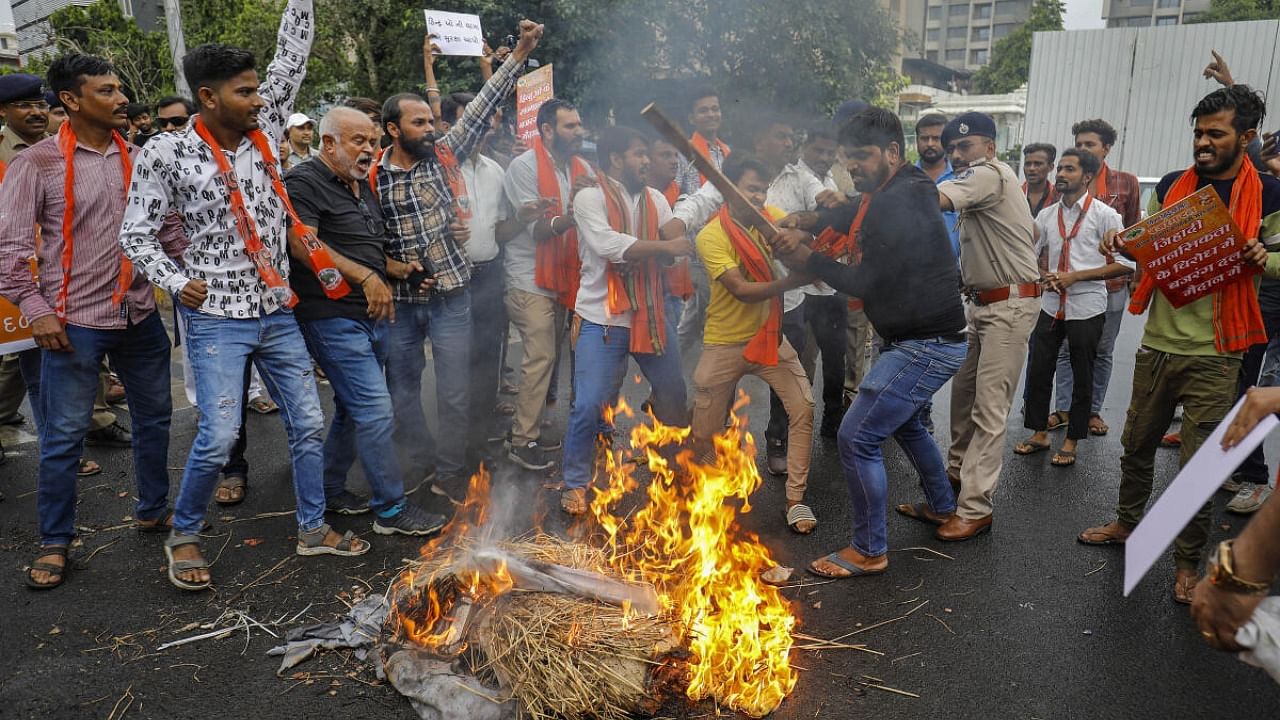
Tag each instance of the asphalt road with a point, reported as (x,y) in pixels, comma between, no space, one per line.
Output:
(1020,623)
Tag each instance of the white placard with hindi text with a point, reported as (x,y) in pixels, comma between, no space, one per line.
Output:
(456,33)
(1203,474)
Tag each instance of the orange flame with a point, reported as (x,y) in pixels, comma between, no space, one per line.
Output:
(686,541)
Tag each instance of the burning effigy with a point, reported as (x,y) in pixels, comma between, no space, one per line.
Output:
(661,601)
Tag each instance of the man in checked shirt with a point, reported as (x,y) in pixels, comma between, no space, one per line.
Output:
(427,260)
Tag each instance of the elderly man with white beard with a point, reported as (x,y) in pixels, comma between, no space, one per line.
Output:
(348,336)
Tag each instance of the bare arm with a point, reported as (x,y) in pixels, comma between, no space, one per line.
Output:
(750,291)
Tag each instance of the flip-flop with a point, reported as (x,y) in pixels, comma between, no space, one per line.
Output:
(178,566)
(921,512)
(1108,540)
(835,559)
(263,406)
(1070,460)
(165,525)
(62,571)
(1101,428)
(1026,447)
(232,482)
(799,513)
(1058,419)
(88,468)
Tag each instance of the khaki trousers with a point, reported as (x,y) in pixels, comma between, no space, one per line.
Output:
(540,322)
(715,381)
(856,359)
(981,396)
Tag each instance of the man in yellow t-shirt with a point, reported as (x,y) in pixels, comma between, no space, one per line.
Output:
(743,325)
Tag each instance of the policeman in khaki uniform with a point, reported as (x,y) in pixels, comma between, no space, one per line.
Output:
(999,272)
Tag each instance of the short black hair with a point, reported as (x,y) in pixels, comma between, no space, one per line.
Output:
(391,108)
(1089,163)
(215,63)
(1050,151)
(368,106)
(616,140)
(764,120)
(547,113)
(68,72)
(931,120)
(168,100)
(819,132)
(740,163)
(133,110)
(452,105)
(1247,103)
(873,126)
(699,92)
(1099,127)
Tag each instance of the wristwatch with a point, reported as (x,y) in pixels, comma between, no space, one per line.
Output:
(1222,573)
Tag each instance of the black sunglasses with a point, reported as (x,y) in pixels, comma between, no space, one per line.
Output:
(174,121)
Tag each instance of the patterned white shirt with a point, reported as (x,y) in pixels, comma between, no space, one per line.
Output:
(177,171)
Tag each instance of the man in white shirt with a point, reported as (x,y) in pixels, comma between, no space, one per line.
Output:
(1074,303)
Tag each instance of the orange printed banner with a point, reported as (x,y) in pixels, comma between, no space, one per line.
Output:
(532,91)
(1191,248)
(15,331)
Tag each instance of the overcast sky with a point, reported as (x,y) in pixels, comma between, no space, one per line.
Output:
(1083,14)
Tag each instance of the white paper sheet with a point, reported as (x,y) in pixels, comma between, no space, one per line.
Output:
(456,33)
(1195,484)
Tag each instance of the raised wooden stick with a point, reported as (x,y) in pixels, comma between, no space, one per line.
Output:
(741,206)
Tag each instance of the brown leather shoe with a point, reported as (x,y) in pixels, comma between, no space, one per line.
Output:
(958,528)
(1184,586)
(1112,533)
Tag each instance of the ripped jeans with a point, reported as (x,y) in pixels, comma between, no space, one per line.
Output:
(218,349)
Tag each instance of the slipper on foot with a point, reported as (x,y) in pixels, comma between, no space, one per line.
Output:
(835,559)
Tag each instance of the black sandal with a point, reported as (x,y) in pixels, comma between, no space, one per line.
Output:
(59,571)
(164,525)
(232,483)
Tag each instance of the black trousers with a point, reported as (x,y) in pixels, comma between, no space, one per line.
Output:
(488,335)
(1082,338)
(827,316)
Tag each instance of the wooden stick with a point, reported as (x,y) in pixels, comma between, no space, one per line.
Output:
(741,206)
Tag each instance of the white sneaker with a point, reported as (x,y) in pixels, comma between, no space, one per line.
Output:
(1248,499)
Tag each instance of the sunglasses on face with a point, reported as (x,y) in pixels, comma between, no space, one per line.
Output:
(178,121)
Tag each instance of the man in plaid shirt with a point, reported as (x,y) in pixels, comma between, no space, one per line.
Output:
(427,260)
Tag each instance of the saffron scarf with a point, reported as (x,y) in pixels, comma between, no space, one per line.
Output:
(318,257)
(638,288)
(756,263)
(1064,258)
(700,144)
(67,147)
(1237,318)
(845,245)
(679,283)
(1050,197)
(557,266)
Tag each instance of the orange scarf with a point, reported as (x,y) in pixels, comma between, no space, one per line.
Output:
(763,348)
(67,146)
(331,280)
(700,144)
(1237,319)
(453,175)
(671,193)
(638,288)
(837,245)
(679,283)
(557,266)
(3,167)
(1050,197)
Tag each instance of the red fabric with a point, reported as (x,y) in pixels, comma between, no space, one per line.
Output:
(1064,258)
(1050,197)
(557,266)
(1237,318)
(453,175)
(763,348)
(700,144)
(67,147)
(3,167)
(318,257)
(671,193)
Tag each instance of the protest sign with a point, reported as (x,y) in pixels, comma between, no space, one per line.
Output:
(456,33)
(15,331)
(1191,248)
(532,90)
(1198,480)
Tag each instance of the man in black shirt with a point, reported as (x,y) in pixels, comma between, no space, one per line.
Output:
(904,271)
(348,336)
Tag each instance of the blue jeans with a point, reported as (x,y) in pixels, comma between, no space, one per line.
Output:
(598,375)
(353,354)
(889,402)
(218,349)
(446,321)
(1116,304)
(69,383)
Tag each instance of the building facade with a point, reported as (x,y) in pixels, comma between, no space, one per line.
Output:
(8,37)
(960,35)
(1151,13)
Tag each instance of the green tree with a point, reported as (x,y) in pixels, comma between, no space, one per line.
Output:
(1234,10)
(1010,64)
(141,58)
